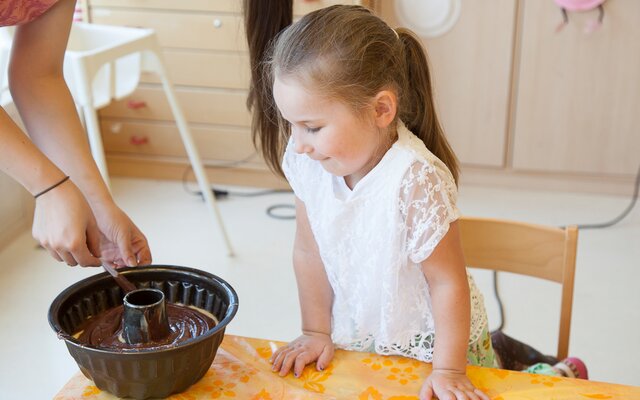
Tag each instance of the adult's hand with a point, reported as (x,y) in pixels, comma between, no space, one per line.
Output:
(121,242)
(64,224)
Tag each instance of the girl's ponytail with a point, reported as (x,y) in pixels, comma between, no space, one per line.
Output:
(263,20)
(418,110)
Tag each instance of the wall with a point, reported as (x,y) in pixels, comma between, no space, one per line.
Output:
(16,205)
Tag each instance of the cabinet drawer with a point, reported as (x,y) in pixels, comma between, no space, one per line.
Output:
(163,139)
(208,69)
(194,5)
(200,106)
(181,30)
(302,7)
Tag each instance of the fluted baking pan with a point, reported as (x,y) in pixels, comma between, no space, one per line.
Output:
(145,373)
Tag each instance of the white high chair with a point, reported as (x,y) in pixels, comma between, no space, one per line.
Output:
(104,63)
(5,50)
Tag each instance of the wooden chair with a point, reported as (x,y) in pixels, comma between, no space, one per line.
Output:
(526,249)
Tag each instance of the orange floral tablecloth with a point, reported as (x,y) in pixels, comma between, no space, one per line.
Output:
(241,371)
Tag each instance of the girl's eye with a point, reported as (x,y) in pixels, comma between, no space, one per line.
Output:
(312,130)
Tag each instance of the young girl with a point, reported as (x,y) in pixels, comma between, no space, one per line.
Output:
(377,255)
(377,252)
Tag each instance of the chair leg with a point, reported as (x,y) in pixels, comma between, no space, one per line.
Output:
(194,156)
(95,141)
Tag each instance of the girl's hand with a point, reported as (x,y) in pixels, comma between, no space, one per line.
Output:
(307,348)
(64,225)
(121,242)
(450,385)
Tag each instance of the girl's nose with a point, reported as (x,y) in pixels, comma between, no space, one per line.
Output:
(301,145)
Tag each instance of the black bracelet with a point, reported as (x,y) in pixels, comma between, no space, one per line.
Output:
(66,178)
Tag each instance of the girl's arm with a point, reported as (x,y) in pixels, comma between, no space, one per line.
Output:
(316,297)
(447,277)
(314,290)
(45,104)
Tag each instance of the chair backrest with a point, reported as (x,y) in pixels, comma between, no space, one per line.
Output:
(102,62)
(526,249)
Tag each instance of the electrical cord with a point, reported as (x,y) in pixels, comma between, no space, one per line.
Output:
(620,217)
(222,165)
(634,199)
(272,211)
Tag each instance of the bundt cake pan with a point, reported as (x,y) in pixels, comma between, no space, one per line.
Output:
(145,373)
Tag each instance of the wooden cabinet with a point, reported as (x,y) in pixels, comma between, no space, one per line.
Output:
(523,105)
(526,106)
(578,94)
(199,106)
(205,53)
(188,30)
(471,72)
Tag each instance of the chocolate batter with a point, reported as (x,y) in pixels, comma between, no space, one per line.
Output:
(105,329)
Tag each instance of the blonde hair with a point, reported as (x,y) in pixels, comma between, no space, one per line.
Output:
(347,54)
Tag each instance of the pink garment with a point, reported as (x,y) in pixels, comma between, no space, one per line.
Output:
(16,12)
(579,5)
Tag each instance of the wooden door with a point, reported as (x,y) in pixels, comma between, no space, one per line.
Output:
(578,97)
(471,69)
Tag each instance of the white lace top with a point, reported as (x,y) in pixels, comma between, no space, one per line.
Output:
(372,240)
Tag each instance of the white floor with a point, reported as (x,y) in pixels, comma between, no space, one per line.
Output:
(34,364)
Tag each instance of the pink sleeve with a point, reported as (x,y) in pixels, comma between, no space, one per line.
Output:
(16,12)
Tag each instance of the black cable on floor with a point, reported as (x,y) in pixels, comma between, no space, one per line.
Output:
(620,217)
(272,211)
(498,299)
(634,199)
(221,165)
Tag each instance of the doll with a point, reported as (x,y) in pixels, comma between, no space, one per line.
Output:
(581,5)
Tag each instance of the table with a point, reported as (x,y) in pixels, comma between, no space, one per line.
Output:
(241,371)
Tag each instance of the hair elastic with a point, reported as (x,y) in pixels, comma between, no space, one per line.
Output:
(55,185)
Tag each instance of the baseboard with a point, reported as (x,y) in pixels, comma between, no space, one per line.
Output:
(561,182)
(257,175)
(173,168)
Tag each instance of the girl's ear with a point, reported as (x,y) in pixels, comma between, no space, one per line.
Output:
(385,107)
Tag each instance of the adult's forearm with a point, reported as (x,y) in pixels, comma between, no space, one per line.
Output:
(51,119)
(21,159)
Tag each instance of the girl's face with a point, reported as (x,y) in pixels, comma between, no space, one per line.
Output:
(328,131)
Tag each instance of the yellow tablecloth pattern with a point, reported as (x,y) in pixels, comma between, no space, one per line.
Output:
(241,371)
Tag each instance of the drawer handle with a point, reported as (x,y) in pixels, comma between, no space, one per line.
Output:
(116,127)
(138,140)
(136,104)
(217,23)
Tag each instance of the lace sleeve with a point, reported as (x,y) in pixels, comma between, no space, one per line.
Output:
(428,204)
(293,169)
